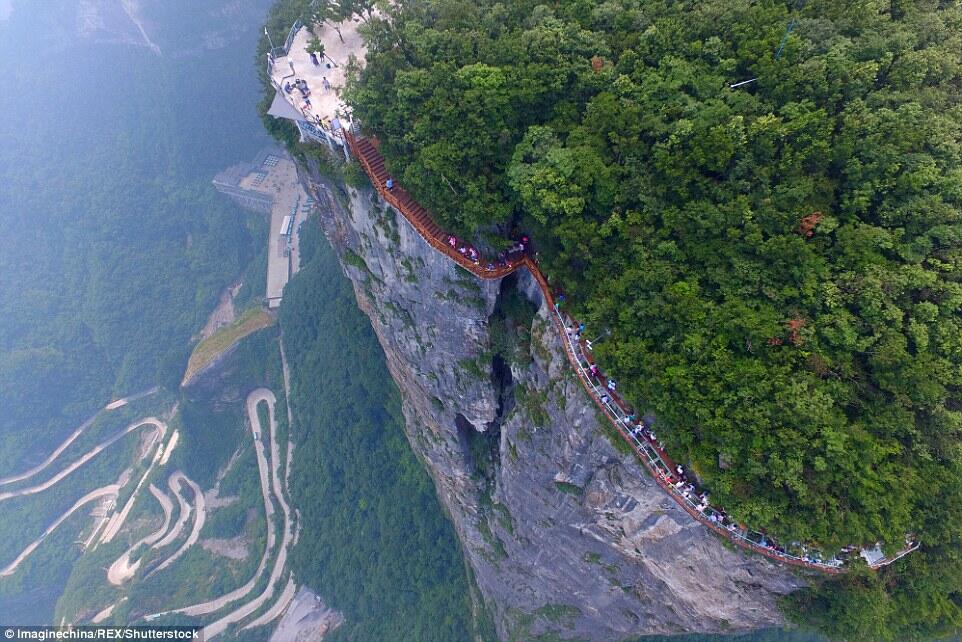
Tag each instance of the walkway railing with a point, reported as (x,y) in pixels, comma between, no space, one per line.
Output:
(642,442)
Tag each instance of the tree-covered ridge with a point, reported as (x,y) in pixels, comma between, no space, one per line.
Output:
(775,262)
(773,268)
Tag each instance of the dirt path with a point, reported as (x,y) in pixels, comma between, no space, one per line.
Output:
(93,452)
(122,569)
(224,313)
(100,493)
(211,606)
(200,516)
(218,627)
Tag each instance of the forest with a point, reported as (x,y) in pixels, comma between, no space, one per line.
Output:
(113,244)
(757,208)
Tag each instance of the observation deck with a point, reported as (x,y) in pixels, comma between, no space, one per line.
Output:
(309,86)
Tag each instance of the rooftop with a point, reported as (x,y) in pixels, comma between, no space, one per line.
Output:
(271,171)
(243,175)
(323,102)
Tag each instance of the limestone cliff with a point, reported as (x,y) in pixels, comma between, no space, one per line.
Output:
(564,531)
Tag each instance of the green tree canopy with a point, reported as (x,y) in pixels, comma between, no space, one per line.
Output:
(777,262)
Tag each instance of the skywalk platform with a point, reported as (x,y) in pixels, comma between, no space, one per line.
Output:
(322,107)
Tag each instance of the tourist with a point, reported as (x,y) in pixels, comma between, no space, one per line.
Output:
(327,84)
(611,385)
(314,59)
(389,183)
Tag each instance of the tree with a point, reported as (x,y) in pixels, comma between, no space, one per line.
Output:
(316,47)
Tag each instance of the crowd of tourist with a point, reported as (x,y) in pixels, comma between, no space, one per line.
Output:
(507,258)
(674,478)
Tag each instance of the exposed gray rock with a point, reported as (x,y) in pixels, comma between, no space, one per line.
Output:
(564,532)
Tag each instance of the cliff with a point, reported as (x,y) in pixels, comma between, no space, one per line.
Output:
(563,529)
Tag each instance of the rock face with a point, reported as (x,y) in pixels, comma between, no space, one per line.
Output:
(564,531)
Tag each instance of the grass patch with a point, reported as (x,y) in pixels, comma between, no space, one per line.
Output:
(568,488)
(218,343)
(353,258)
(532,402)
(477,367)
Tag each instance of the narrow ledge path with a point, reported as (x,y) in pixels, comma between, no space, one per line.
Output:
(641,440)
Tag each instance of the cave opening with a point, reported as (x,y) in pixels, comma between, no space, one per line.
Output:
(481,448)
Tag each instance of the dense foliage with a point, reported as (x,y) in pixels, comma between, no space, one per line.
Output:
(774,268)
(380,548)
(113,244)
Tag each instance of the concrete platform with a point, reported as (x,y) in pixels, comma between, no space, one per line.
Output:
(325,104)
(282,253)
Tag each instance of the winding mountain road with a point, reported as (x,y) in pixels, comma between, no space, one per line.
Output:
(219,626)
(183,512)
(99,493)
(56,453)
(122,569)
(118,519)
(200,516)
(93,452)
(73,436)
(279,606)
(216,604)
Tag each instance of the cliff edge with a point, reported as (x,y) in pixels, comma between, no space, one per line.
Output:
(563,529)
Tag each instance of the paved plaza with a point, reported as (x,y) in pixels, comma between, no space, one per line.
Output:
(324,103)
